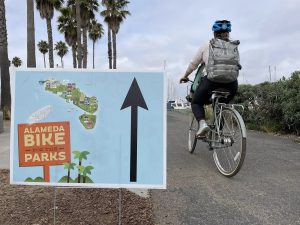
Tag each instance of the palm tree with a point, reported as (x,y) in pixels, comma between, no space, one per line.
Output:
(31,60)
(95,32)
(16,61)
(62,50)
(43,48)
(69,167)
(79,46)
(46,9)
(4,62)
(87,14)
(80,156)
(67,25)
(106,14)
(84,170)
(114,15)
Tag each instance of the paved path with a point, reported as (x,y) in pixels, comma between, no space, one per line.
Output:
(4,146)
(266,191)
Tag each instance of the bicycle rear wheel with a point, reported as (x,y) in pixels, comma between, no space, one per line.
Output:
(192,140)
(230,152)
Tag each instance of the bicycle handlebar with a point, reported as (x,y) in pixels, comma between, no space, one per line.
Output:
(188,80)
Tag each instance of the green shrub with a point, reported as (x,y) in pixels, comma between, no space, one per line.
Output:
(272,107)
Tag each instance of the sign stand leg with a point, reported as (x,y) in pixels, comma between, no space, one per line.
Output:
(120,206)
(54,206)
(46,173)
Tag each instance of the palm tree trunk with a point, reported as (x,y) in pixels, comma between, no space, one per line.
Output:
(4,63)
(109,48)
(78,179)
(62,62)
(31,60)
(44,60)
(79,47)
(50,42)
(84,179)
(69,173)
(74,56)
(114,49)
(84,42)
(93,54)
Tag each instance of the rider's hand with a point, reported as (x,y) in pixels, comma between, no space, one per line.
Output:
(183,79)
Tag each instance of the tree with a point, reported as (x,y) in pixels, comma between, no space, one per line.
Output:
(43,48)
(46,9)
(84,170)
(79,46)
(95,32)
(114,15)
(87,14)
(4,63)
(68,26)
(107,15)
(80,156)
(16,61)
(69,167)
(88,8)
(62,50)
(31,59)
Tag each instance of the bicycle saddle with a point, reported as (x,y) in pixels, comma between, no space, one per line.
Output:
(220,93)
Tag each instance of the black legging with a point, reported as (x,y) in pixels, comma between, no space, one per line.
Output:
(203,94)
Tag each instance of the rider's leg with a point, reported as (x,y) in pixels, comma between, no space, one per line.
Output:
(202,96)
(232,89)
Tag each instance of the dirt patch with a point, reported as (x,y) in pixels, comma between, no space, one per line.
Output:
(35,205)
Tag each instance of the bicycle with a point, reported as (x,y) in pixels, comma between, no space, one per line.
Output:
(226,136)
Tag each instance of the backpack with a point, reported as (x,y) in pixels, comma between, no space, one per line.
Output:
(198,78)
(223,61)
(197,81)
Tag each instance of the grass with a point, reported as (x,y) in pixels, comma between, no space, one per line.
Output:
(64,179)
(37,179)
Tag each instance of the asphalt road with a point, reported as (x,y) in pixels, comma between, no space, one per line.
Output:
(265,191)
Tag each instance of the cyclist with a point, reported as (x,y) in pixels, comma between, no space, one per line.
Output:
(209,82)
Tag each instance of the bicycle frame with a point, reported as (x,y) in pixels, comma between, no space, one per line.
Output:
(217,112)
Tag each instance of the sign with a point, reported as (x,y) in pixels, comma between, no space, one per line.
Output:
(44,144)
(88,128)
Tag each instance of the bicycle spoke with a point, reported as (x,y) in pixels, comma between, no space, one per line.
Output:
(227,160)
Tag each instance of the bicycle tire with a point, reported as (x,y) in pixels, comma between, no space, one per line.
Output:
(234,132)
(192,140)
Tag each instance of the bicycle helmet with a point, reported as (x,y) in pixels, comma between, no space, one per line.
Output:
(222,26)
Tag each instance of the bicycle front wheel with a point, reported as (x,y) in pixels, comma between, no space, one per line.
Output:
(192,140)
(230,152)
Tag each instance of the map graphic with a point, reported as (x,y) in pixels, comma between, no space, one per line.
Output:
(72,94)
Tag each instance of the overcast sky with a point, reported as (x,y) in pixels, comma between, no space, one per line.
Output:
(173,30)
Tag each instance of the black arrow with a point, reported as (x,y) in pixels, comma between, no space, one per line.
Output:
(134,99)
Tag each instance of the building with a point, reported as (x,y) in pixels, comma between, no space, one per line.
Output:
(82,98)
(94,100)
